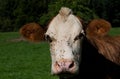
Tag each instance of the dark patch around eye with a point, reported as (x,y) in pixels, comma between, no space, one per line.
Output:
(48,38)
(78,37)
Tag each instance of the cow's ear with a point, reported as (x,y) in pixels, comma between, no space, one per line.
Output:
(99,27)
(108,46)
(32,32)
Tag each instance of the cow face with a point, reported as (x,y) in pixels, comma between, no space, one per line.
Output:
(65,36)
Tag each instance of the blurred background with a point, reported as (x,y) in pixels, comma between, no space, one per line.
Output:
(20,59)
(15,13)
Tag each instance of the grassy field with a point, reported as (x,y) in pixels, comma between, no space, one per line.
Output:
(25,60)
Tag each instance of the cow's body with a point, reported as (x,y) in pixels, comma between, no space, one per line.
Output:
(96,66)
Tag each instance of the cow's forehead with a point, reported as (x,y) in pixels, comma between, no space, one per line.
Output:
(64,29)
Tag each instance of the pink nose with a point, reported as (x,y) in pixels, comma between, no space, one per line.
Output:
(64,66)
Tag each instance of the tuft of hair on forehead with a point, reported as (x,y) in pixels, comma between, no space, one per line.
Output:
(65,12)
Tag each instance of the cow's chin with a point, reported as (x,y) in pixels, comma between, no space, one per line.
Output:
(66,75)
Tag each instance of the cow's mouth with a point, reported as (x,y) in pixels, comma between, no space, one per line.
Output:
(66,75)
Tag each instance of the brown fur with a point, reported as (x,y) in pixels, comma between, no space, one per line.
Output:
(32,32)
(98,27)
(109,46)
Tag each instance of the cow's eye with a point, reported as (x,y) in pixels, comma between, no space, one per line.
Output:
(48,38)
(78,37)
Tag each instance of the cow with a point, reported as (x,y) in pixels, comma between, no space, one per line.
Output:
(82,53)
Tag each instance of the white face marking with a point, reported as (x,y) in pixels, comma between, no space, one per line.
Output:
(63,46)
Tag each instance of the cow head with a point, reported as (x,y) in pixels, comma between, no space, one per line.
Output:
(65,35)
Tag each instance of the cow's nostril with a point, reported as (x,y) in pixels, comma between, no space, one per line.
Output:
(71,65)
(58,64)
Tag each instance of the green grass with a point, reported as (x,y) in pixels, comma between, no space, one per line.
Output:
(115,31)
(25,60)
